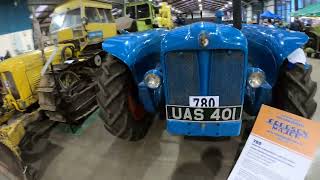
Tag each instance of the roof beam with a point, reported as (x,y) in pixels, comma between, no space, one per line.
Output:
(186,5)
(44,2)
(209,3)
(194,5)
(195,1)
(182,3)
(216,2)
(120,2)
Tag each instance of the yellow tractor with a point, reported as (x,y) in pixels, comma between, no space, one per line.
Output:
(68,68)
(59,80)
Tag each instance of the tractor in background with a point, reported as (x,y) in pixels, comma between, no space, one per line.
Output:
(56,78)
(313,45)
(57,82)
(206,77)
(148,16)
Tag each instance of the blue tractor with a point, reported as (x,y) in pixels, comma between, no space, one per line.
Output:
(204,76)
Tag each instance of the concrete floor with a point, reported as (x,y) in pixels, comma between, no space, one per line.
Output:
(96,155)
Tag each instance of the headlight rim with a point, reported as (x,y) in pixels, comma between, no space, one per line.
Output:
(256,73)
(156,75)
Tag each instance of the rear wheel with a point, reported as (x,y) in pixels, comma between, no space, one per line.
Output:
(294,91)
(68,95)
(123,116)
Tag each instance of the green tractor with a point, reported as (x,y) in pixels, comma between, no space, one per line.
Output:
(313,45)
(148,16)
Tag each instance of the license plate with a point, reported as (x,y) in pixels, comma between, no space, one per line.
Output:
(204,101)
(227,113)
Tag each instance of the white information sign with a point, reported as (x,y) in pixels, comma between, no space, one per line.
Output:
(280,147)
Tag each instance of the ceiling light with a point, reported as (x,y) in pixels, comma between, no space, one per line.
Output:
(230,2)
(226,5)
(200,8)
(200,5)
(41,8)
(39,11)
(199,1)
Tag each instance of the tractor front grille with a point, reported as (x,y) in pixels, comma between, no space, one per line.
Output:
(225,76)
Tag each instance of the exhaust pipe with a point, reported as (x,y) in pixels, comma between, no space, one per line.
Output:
(237,15)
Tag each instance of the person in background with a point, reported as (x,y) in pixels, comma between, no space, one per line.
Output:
(309,22)
(7,56)
(296,25)
(268,22)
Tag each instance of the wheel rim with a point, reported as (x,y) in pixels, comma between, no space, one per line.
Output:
(97,60)
(136,109)
(67,79)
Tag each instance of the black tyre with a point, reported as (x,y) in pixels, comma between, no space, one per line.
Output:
(123,116)
(294,90)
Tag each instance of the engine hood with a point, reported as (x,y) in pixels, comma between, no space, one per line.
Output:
(20,62)
(219,36)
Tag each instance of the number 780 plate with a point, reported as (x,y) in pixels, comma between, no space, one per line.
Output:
(226,113)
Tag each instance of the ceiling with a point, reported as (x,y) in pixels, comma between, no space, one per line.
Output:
(44,8)
(195,5)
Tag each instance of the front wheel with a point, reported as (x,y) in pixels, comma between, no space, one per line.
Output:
(294,91)
(123,116)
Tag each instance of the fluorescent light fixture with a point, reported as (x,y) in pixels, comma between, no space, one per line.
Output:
(39,11)
(199,1)
(41,8)
(200,5)
(230,2)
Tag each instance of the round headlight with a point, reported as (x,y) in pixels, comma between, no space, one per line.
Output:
(153,81)
(256,79)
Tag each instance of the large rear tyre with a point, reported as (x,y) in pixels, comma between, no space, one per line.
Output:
(294,91)
(123,116)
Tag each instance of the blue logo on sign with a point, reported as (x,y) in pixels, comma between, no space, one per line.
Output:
(287,129)
(95,34)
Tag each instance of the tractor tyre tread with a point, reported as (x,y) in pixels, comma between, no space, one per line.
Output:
(113,101)
(295,91)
